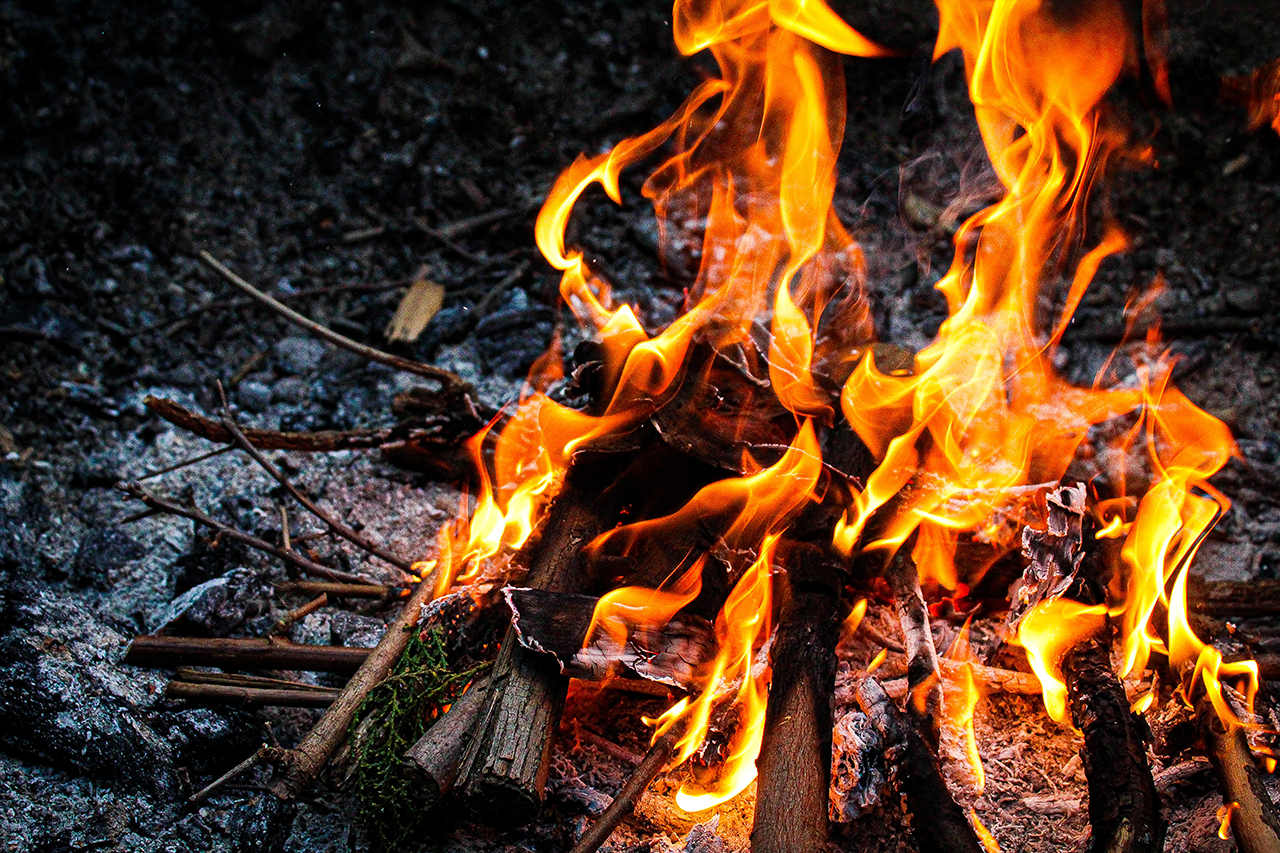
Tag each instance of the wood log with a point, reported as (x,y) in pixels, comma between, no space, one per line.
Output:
(229,694)
(434,760)
(1254,820)
(1233,599)
(242,653)
(1124,807)
(794,765)
(504,770)
(938,824)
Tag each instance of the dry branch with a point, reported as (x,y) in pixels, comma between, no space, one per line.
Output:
(266,439)
(308,757)
(228,694)
(447,380)
(242,653)
(357,539)
(924,677)
(338,590)
(291,557)
(623,804)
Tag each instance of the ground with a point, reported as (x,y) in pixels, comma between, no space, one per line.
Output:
(322,145)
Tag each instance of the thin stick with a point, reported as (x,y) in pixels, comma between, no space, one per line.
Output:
(241,302)
(242,653)
(200,676)
(232,694)
(297,614)
(306,760)
(310,442)
(291,557)
(623,804)
(338,590)
(336,526)
(243,767)
(284,527)
(446,378)
(192,461)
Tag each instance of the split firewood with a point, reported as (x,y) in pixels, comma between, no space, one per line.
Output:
(434,760)
(309,756)
(242,653)
(938,824)
(794,764)
(504,771)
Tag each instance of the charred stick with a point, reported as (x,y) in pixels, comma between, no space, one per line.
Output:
(357,539)
(230,694)
(435,759)
(447,380)
(794,764)
(938,824)
(308,757)
(266,439)
(242,653)
(623,804)
(924,681)
(292,557)
(504,771)
(1254,820)
(1124,807)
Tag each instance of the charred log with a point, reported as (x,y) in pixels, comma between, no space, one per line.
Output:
(1124,808)
(795,754)
(938,824)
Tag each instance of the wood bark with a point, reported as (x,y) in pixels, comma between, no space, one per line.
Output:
(1124,807)
(1255,823)
(504,770)
(794,766)
(434,760)
(938,824)
(242,653)
(306,760)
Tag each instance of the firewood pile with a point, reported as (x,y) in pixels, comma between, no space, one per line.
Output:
(808,587)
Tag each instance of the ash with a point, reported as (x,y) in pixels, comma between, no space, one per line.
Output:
(317,145)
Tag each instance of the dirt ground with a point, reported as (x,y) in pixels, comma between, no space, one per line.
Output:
(319,145)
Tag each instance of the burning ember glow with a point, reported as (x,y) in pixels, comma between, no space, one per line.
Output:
(967,439)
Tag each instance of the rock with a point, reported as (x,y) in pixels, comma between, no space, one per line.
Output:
(1246,298)
(291,390)
(254,396)
(510,340)
(313,630)
(351,629)
(216,607)
(703,838)
(299,355)
(101,553)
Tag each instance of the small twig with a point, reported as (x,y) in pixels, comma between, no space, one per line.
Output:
(362,542)
(607,746)
(183,464)
(291,557)
(241,302)
(623,804)
(284,527)
(247,368)
(236,679)
(486,302)
(232,694)
(463,226)
(341,590)
(242,653)
(313,752)
(265,439)
(139,516)
(446,378)
(297,614)
(241,768)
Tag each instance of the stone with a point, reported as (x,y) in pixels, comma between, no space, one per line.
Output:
(352,629)
(290,390)
(299,355)
(101,553)
(216,607)
(253,396)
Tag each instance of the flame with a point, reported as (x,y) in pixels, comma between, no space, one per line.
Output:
(1224,819)
(988,840)
(1048,632)
(961,698)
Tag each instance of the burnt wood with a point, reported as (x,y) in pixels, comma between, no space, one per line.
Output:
(938,824)
(1124,807)
(1238,599)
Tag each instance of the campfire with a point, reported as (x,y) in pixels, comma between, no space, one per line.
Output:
(821,550)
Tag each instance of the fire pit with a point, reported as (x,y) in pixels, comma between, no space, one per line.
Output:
(808,581)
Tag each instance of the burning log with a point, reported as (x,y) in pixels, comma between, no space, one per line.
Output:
(435,759)
(242,653)
(795,753)
(937,821)
(1124,807)
(989,678)
(505,767)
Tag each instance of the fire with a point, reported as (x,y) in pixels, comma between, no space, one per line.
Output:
(964,440)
